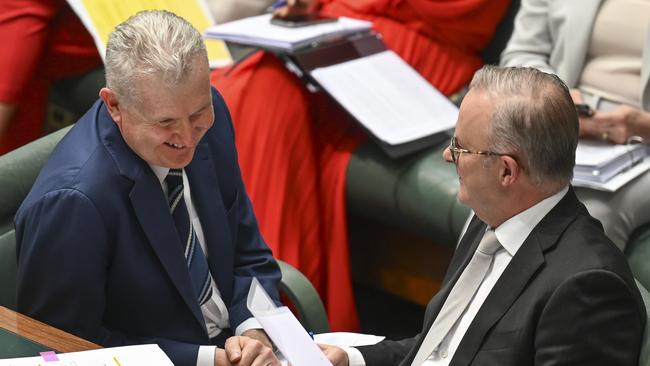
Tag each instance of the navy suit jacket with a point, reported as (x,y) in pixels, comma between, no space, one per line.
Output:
(98,251)
(566,298)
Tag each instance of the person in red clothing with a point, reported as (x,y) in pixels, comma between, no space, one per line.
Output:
(294,146)
(42,41)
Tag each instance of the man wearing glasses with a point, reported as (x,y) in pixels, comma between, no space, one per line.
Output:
(534,280)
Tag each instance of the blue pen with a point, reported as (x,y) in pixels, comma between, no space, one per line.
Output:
(276,5)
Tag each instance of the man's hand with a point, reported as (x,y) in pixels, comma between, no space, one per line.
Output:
(296,8)
(335,355)
(259,335)
(245,351)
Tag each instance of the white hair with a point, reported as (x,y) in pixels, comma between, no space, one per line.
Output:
(152,42)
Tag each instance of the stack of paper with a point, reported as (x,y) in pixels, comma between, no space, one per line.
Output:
(148,354)
(258,31)
(605,166)
(600,161)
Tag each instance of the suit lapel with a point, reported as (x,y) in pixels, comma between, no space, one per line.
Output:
(523,266)
(151,210)
(204,184)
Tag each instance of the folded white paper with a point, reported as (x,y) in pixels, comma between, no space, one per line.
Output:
(284,329)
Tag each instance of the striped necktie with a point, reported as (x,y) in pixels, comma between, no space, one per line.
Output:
(194,256)
(460,296)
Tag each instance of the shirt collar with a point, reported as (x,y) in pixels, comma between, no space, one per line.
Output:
(160,172)
(512,233)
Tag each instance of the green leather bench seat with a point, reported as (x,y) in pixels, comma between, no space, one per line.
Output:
(416,193)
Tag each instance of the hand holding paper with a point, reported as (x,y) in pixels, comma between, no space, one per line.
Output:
(284,329)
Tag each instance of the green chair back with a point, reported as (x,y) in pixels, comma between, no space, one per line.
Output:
(644,358)
(304,297)
(8,270)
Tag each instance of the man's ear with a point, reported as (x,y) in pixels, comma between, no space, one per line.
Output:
(509,170)
(112,104)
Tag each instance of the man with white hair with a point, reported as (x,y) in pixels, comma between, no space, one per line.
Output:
(534,280)
(139,229)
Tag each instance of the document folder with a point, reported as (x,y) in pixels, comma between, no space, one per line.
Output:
(600,161)
(401,110)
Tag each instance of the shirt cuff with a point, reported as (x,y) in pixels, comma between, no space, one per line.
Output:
(250,323)
(355,357)
(206,356)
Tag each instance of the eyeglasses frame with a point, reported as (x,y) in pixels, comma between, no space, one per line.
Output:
(456,151)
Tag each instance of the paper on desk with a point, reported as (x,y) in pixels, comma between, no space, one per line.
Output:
(618,181)
(347,339)
(101,16)
(284,329)
(258,31)
(388,97)
(148,354)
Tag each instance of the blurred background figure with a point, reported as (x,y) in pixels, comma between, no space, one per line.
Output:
(42,41)
(227,10)
(601,49)
(294,146)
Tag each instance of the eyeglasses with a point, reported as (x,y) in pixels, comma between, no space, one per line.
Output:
(456,151)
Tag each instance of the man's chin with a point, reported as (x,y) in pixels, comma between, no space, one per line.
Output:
(178,159)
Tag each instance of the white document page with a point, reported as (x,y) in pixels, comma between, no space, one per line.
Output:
(388,97)
(284,329)
(347,339)
(598,153)
(148,354)
(618,181)
(258,31)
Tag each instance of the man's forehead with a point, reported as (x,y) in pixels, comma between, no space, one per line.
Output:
(474,117)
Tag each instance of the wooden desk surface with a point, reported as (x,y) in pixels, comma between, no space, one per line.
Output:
(41,333)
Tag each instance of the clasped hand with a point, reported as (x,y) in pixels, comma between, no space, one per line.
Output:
(251,349)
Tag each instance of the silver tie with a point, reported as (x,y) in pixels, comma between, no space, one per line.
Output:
(460,296)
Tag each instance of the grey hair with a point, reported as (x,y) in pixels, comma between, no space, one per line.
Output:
(534,119)
(151,42)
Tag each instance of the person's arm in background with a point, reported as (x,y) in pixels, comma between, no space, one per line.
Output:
(23,35)
(228,10)
(531,43)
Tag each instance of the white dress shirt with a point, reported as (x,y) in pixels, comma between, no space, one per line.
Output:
(215,312)
(511,234)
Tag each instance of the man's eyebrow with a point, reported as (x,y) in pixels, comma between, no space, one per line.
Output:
(205,106)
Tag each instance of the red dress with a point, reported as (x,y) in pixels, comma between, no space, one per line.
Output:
(294,146)
(42,41)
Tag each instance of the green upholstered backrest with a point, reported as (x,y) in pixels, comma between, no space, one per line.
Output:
(18,171)
(416,193)
(8,270)
(638,254)
(304,297)
(644,359)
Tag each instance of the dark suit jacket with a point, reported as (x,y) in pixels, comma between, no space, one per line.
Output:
(98,251)
(566,298)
